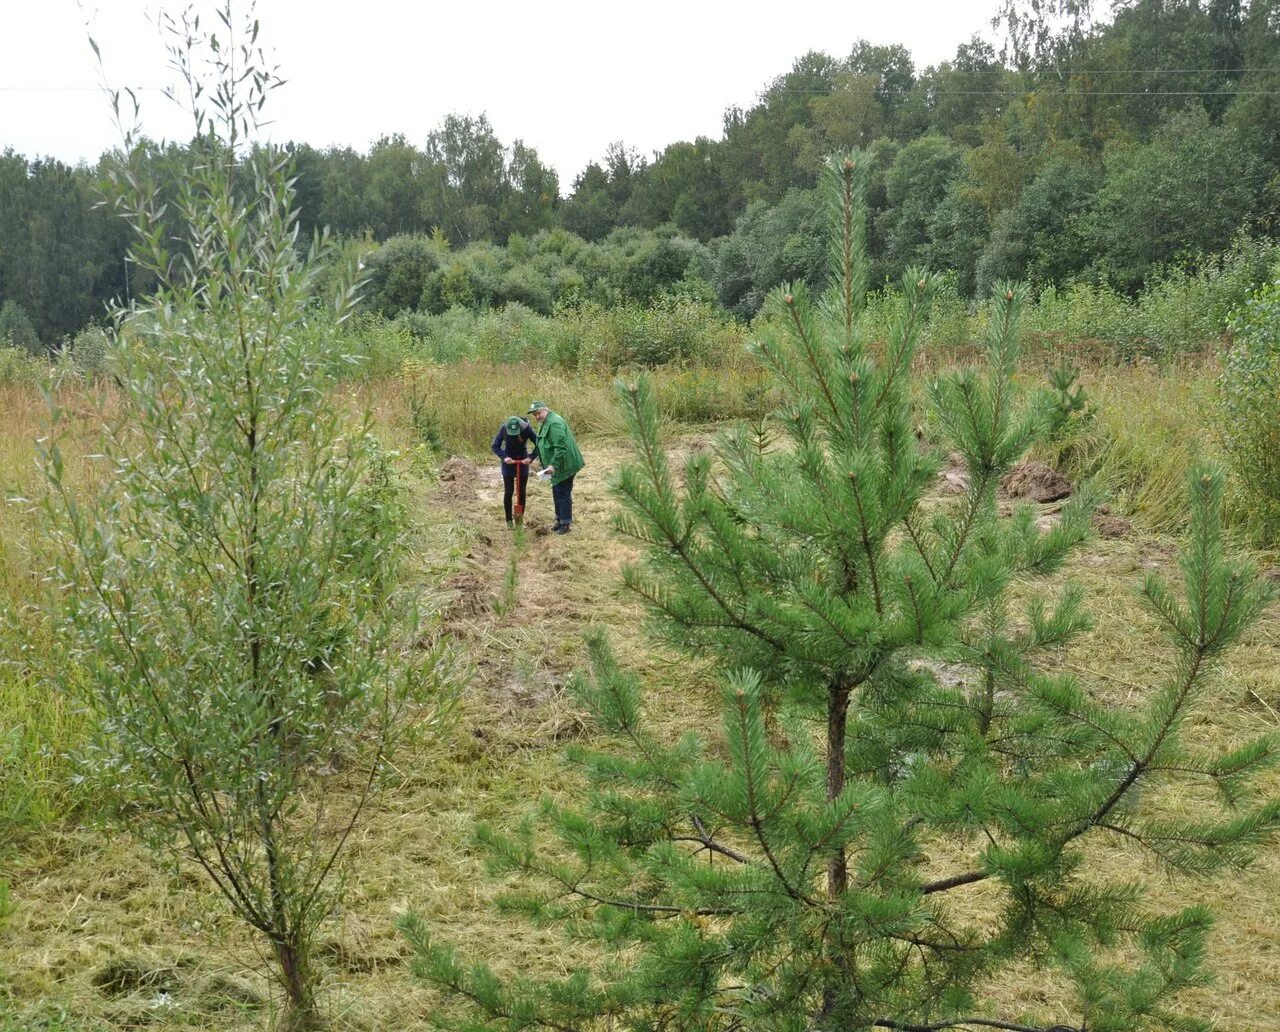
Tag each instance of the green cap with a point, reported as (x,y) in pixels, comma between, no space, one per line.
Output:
(514,425)
(535,405)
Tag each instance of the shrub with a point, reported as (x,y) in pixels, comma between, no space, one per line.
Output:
(89,349)
(227,618)
(526,286)
(398,273)
(17,329)
(19,366)
(1249,414)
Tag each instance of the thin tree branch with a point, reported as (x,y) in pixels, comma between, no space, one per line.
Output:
(1009,1026)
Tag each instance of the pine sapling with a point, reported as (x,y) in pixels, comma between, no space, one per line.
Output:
(899,803)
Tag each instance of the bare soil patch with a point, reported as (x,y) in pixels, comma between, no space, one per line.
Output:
(1036,481)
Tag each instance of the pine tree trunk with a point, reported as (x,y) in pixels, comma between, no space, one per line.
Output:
(837,721)
(837,864)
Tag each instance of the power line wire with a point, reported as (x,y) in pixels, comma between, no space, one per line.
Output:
(79,89)
(954,71)
(1112,71)
(1030,92)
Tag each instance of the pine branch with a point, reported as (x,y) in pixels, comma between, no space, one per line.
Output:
(812,352)
(937,947)
(665,910)
(867,548)
(905,1026)
(477,985)
(975,504)
(639,397)
(742,710)
(919,294)
(954,882)
(909,524)
(1137,768)
(704,837)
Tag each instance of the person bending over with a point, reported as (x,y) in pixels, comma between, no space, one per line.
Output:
(516,445)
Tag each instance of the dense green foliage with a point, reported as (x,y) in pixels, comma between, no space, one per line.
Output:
(1083,154)
(425,274)
(227,615)
(16,328)
(890,739)
(1250,407)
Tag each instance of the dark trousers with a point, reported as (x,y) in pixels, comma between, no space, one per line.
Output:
(519,473)
(562,496)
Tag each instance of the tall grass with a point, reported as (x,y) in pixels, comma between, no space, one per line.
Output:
(466,401)
(18,366)
(579,336)
(38,726)
(1185,311)
(1148,426)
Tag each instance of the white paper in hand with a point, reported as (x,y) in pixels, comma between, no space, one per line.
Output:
(543,474)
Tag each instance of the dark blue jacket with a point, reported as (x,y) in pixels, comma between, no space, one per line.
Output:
(514,447)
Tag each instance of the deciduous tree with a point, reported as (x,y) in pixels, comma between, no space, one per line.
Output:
(228,593)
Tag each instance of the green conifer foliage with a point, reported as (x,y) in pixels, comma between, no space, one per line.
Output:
(898,802)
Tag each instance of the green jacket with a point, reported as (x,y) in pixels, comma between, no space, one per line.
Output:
(556,447)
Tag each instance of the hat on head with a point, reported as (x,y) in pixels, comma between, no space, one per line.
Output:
(514,425)
(535,405)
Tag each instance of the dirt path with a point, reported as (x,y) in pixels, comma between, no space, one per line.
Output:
(522,599)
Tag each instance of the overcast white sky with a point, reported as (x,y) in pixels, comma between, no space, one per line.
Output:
(566,76)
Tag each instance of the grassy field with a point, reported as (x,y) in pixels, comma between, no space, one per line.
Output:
(101,938)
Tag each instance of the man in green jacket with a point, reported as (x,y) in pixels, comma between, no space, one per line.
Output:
(561,460)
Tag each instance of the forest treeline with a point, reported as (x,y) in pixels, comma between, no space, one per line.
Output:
(1106,154)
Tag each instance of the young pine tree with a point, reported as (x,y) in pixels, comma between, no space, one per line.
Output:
(228,605)
(899,804)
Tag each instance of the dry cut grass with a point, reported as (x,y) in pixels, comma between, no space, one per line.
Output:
(103,939)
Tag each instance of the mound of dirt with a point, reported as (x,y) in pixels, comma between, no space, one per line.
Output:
(458,468)
(1036,481)
(459,479)
(1109,526)
(953,478)
(473,595)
